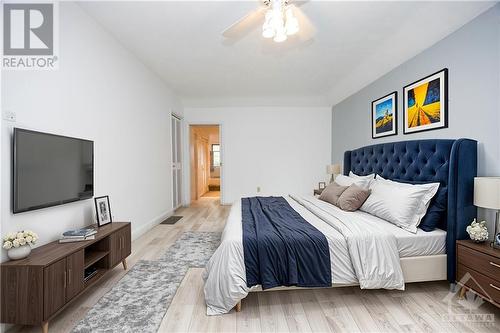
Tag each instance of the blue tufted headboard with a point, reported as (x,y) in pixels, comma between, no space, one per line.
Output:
(453,163)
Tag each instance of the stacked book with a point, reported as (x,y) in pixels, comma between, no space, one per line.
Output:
(78,235)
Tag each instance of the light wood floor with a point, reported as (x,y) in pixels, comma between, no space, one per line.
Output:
(418,309)
(211,194)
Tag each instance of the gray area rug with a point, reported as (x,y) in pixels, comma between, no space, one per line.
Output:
(138,302)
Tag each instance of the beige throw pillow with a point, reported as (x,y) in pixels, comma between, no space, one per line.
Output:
(332,193)
(352,198)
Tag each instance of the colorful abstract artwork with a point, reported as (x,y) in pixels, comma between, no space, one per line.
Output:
(425,103)
(384,116)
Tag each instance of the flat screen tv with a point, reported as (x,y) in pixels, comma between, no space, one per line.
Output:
(50,170)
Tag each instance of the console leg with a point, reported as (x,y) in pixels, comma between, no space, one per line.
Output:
(462,293)
(124,262)
(45,327)
(238,307)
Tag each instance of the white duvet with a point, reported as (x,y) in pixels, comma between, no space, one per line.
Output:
(360,253)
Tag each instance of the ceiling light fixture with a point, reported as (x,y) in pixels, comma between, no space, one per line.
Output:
(267,28)
(292,24)
(279,21)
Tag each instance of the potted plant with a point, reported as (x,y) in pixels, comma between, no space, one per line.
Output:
(18,244)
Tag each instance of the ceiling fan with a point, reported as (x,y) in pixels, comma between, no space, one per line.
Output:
(279,19)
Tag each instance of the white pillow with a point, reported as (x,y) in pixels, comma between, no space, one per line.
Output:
(401,204)
(348,181)
(393,181)
(355,176)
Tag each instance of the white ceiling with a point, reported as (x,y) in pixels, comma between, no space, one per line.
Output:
(355,43)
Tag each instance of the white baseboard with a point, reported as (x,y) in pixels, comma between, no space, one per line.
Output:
(5,327)
(139,231)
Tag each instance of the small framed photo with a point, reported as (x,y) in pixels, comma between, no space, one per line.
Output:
(321,185)
(425,103)
(384,116)
(102,210)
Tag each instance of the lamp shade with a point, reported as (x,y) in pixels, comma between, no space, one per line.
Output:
(333,169)
(487,192)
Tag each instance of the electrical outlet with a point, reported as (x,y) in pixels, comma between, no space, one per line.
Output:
(9,115)
(258,189)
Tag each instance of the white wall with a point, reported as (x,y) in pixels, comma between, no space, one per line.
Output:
(103,93)
(472,55)
(281,149)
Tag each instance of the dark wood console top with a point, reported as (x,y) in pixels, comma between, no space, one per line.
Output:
(49,253)
(484,247)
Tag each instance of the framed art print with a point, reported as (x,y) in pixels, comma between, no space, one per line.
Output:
(102,210)
(425,103)
(384,116)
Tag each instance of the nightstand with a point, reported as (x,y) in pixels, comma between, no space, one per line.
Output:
(482,263)
(318,192)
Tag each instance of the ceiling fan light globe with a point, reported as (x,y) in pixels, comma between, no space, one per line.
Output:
(268,26)
(291,28)
(280,37)
(268,32)
(292,24)
(278,23)
(269,17)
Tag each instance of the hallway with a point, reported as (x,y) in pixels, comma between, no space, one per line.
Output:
(211,194)
(205,161)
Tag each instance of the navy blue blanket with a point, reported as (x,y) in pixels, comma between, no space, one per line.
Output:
(280,247)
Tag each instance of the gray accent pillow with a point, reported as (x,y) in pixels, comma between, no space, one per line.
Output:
(332,193)
(353,198)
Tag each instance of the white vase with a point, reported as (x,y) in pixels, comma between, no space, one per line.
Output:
(20,252)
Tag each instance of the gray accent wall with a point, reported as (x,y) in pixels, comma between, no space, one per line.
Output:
(472,55)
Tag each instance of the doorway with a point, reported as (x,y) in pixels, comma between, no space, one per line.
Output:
(205,161)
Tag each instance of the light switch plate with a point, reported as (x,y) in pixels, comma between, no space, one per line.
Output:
(9,115)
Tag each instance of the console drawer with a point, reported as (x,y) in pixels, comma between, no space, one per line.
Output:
(482,284)
(484,263)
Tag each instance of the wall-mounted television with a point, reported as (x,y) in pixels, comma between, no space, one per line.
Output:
(50,170)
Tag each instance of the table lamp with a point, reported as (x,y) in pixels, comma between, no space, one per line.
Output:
(333,169)
(487,195)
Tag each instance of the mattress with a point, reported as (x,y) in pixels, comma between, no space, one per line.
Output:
(413,245)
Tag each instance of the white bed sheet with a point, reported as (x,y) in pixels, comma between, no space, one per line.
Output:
(409,244)
(421,243)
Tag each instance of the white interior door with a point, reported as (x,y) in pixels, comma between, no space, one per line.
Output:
(176,163)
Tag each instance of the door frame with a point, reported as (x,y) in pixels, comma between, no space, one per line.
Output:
(201,143)
(186,158)
(181,120)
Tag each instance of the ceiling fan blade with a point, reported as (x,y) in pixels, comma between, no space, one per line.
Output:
(307,29)
(299,3)
(246,24)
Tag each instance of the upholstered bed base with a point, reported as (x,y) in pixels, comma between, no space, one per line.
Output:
(415,269)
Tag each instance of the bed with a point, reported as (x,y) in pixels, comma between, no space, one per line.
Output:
(385,256)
